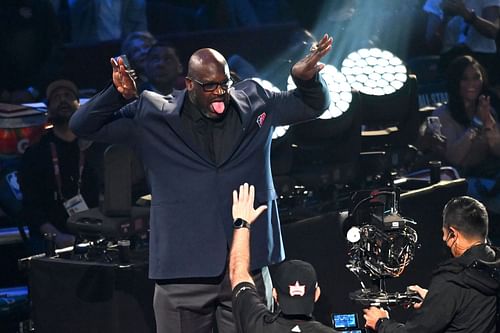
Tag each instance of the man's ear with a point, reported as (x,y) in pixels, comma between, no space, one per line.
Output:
(452,232)
(317,293)
(189,84)
(275,295)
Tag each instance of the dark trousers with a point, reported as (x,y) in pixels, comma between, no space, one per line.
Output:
(201,305)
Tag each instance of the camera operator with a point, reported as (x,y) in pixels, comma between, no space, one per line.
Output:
(296,284)
(462,296)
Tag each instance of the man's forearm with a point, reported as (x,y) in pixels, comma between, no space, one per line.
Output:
(487,24)
(239,257)
(314,92)
(90,117)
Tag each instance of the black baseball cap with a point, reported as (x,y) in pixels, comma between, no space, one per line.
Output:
(295,282)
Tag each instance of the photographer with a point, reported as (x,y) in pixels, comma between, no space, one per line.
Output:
(462,296)
(296,284)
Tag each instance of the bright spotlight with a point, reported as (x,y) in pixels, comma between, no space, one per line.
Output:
(280,130)
(339,89)
(374,71)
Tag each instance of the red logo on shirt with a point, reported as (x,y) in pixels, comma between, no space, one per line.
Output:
(261,118)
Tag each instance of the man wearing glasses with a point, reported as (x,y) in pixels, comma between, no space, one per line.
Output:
(197,146)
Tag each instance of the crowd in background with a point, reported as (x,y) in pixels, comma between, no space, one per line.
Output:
(36,35)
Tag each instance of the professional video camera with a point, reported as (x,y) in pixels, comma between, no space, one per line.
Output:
(381,245)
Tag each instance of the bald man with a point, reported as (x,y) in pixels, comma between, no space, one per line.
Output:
(197,145)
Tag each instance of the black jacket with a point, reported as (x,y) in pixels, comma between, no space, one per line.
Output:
(252,316)
(38,184)
(190,218)
(462,296)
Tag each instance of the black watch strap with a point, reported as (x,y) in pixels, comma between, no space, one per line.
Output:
(379,322)
(240,223)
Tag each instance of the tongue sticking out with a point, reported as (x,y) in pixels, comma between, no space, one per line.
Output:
(218,107)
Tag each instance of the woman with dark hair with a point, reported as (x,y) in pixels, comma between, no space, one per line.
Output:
(470,126)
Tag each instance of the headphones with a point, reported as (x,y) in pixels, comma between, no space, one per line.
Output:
(451,234)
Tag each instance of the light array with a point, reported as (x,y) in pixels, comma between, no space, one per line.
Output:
(374,71)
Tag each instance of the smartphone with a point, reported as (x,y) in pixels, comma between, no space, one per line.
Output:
(345,320)
(126,62)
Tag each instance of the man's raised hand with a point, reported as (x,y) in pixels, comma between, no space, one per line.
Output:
(307,67)
(123,79)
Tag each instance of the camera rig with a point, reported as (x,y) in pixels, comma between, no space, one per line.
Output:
(381,245)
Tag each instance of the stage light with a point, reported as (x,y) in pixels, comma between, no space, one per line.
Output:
(374,71)
(279,131)
(326,150)
(339,89)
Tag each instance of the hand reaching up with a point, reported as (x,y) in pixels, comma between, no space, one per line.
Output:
(123,79)
(243,202)
(306,68)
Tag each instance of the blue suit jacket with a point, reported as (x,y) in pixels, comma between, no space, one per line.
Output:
(191,218)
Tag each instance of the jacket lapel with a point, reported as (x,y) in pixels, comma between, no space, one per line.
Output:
(172,106)
(241,104)
(171,109)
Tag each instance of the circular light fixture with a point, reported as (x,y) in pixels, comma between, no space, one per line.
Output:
(339,89)
(279,131)
(374,71)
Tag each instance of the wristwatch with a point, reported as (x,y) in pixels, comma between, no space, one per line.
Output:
(379,322)
(240,223)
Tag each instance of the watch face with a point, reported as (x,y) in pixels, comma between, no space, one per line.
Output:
(240,223)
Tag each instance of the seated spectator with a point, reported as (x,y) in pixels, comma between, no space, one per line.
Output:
(163,69)
(296,285)
(462,296)
(470,126)
(55,172)
(136,47)
(102,20)
(30,49)
(459,27)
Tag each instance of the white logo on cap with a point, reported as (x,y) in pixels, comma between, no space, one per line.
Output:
(296,329)
(297,289)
